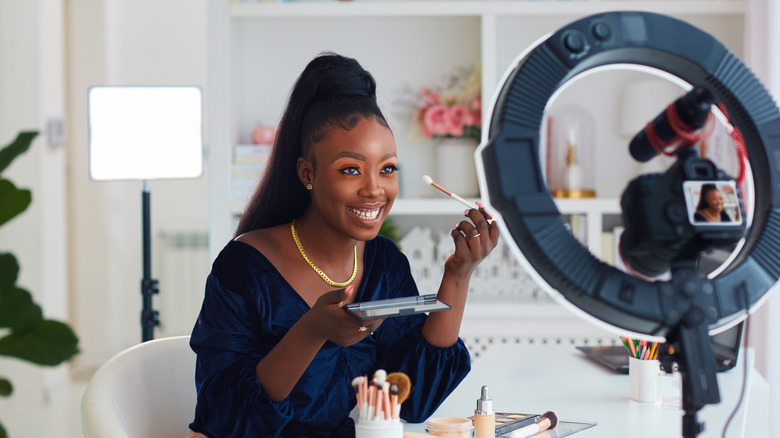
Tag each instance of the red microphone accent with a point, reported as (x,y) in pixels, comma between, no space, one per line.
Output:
(684,137)
(739,144)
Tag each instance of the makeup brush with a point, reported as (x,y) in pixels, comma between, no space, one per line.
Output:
(357,384)
(379,409)
(548,420)
(428,180)
(402,383)
(394,401)
(387,409)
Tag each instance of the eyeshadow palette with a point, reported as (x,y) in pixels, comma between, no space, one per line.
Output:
(397,307)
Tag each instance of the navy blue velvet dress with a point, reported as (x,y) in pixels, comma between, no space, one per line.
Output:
(248,307)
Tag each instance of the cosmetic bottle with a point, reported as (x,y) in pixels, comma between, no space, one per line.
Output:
(573,180)
(484,416)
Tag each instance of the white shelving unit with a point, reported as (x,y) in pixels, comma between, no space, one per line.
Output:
(593,210)
(257,50)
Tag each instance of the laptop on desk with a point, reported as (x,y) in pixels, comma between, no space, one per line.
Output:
(725,345)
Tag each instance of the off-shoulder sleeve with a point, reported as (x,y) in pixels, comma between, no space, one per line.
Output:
(434,371)
(231,402)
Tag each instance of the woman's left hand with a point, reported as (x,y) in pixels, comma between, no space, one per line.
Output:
(474,240)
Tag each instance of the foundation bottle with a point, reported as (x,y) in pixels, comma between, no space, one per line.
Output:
(484,416)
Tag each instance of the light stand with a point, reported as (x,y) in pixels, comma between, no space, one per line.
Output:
(149,317)
(145,133)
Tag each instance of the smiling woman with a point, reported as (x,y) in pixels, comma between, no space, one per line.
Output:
(277,352)
(354,188)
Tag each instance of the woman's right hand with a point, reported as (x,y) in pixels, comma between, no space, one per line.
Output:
(329,320)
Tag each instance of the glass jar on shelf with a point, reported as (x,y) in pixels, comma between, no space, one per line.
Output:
(570,152)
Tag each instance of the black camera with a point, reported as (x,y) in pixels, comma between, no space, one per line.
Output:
(693,207)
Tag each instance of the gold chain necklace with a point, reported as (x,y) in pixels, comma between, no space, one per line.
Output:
(317,269)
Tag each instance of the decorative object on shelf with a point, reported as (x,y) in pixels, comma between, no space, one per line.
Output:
(455,165)
(263,134)
(570,164)
(451,111)
(452,107)
(418,245)
(499,278)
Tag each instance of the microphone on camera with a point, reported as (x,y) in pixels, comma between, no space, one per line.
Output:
(676,126)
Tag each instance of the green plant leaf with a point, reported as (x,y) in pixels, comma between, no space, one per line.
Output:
(9,270)
(49,343)
(19,146)
(3,433)
(17,310)
(389,230)
(6,388)
(13,201)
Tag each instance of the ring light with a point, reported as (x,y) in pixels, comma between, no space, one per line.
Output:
(512,179)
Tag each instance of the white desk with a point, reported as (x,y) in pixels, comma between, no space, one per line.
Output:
(538,378)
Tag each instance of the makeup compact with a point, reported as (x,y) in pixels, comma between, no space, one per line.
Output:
(507,422)
(450,427)
(397,307)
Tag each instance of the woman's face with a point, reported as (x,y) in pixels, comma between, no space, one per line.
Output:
(714,200)
(354,180)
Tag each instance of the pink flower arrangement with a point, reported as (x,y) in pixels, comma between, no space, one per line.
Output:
(453,108)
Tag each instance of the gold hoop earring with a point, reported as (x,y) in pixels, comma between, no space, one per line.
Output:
(309,186)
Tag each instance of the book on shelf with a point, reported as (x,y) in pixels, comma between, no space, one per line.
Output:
(251,153)
(249,162)
(608,247)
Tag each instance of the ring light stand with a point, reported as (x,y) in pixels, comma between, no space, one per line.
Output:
(685,309)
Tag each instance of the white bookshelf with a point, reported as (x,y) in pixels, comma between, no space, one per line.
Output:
(527,8)
(257,49)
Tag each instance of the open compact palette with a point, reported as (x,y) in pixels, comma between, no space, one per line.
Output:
(507,422)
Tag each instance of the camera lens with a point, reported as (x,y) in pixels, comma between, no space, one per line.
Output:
(701,170)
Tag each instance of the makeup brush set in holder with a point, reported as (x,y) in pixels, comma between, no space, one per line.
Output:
(379,404)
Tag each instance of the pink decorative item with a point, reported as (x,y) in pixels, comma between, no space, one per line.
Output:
(453,108)
(263,134)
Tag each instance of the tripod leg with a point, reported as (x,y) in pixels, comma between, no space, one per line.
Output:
(699,376)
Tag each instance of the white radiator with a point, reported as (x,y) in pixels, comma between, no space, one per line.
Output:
(181,264)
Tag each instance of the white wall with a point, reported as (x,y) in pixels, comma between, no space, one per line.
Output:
(31,92)
(763,39)
(18,111)
(114,42)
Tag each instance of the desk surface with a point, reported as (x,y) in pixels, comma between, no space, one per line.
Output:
(537,378)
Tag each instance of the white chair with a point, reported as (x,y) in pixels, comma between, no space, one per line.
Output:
(145,391)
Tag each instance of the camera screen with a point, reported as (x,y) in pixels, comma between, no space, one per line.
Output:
(712,202)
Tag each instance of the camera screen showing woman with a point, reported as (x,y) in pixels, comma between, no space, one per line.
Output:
(710,207)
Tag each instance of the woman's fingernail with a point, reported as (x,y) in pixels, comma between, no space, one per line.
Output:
(466,212)
(479,204)
(349,288)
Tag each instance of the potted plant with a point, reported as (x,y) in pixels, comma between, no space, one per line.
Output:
(25,333)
